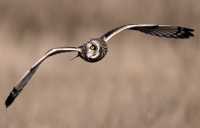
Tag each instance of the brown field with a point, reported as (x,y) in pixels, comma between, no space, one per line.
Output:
(143,82)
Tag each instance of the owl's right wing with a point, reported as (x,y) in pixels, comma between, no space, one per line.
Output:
(28,75)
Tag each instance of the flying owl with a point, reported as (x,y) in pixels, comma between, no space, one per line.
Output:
(95,49)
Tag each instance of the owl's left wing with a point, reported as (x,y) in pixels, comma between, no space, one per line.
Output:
(166,31)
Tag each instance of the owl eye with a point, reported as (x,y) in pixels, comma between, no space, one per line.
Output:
(93,47)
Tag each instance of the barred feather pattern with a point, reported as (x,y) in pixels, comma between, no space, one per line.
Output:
(167,31)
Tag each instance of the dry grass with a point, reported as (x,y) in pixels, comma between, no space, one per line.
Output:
(144,82)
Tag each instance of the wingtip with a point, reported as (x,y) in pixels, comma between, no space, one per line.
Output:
(10,99)
(189,29)
(186,32)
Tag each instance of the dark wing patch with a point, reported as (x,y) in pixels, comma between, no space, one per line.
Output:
(13,94)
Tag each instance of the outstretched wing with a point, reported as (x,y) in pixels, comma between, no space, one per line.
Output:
(28,75)
(166,31)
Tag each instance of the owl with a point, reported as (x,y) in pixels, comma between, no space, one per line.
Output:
(95,49)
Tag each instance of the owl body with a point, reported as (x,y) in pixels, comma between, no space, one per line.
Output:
(93,50)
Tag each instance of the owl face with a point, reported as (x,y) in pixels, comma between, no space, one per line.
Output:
(94,50)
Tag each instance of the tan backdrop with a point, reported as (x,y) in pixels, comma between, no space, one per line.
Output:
(143,82)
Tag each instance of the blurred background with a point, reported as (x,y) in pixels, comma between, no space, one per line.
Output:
(143,82)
